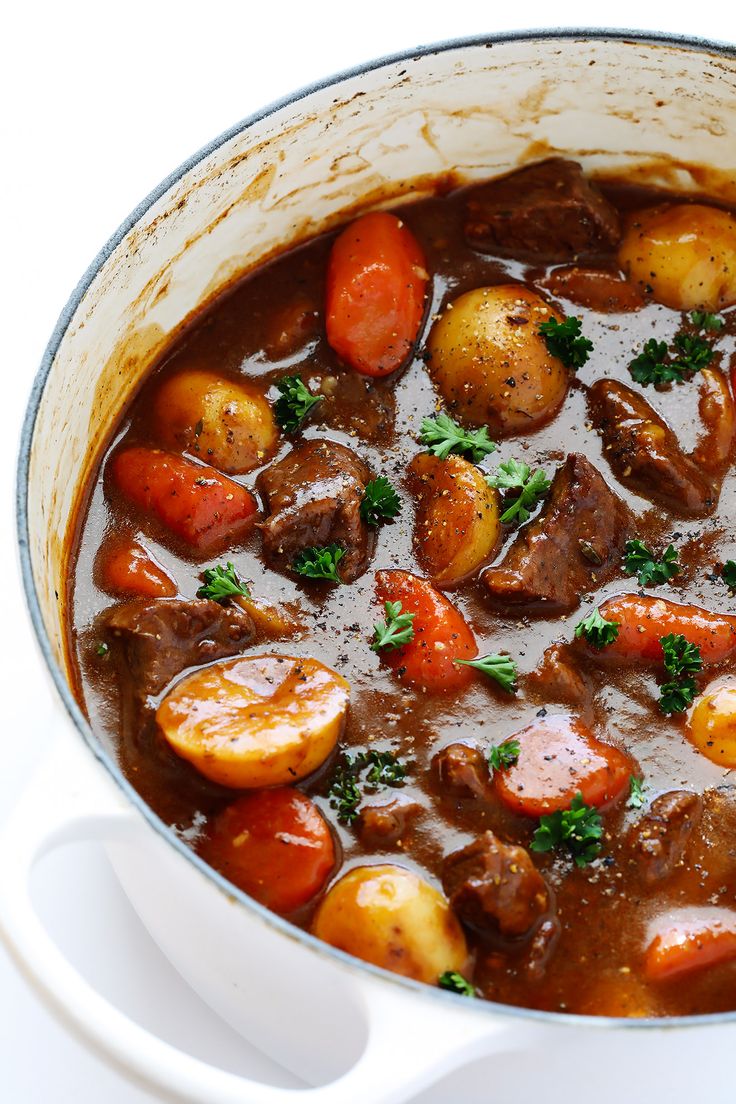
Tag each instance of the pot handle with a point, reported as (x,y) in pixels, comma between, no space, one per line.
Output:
(410,1042)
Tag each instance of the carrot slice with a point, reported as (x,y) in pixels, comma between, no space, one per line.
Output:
(274,845)
(127,568)
(688,940)
(376,283)
(193,501)
(559,757)
(644,620)
(441,635)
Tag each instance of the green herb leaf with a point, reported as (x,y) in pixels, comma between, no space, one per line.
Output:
(640,561)
(728,574)
(456,983)
(501,668)
(221,583)
(380,501)
(380,768)
(564,341)
(103,649)
(514,475)
(677,695)
(694,353)
(395,631)
(680,656)
(650,365)
(597,630)
(344,793)
(704,320)
(635,799)
(578,828)
(384,769)
(442,435)
(295,403)
(502,756)
(320,563)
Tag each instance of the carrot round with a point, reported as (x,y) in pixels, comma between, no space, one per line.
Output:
(193,501)
(274,845)
(688,940)
(559,757)
(441,635)
(644,620)
(376,284)
(127,568)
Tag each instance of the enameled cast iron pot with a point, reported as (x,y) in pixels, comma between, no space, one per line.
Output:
(659,108)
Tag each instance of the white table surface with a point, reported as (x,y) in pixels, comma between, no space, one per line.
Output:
(98,103)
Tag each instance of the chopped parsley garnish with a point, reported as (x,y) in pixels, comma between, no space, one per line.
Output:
(380,501)
(320,563)
(597,630)
(578,828)
(655,365)
(396,630)
(502,756)
(501,668)
(650,365)
(728,574)
(442,435)
(681,660)
(379,768)
(295,403)
(456,983)
(221,583)
(704,320)
(640,561)
(516,476)
(635,799)
(103,649)
(694,353)
(564,340)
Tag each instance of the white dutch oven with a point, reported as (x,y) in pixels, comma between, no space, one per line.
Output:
(659,108)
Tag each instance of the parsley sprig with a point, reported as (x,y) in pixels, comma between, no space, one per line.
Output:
(502,756)
(641,561)
(395,631)
(522,489)
(320,563)
(728,574)
(501,668)
(378,768)
(295,403)
(442,435)
(704,320)
(221,583)
(635,799)
(578,828)
(655,364)
(682,659)
(564,340)
(380,502)
(456,983)
(597,630)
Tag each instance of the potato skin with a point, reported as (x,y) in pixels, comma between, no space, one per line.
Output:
(389,916)
(684,255)
(491,364)
(218,420)
(457,524)
(712,723)
(257,720)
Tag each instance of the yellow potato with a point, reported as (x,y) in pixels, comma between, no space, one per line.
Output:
(457,527)
(226,423)
(258,720)
(712,723)
(271,621)
(491,364)
(684,254)
(391,917)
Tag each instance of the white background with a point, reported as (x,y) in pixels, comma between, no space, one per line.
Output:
(98,102)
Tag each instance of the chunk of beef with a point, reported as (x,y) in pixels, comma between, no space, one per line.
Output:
(599,289)
(313,497)
(559,677)
(462,770)
(659,839)
(161,637)
(541,947)
(384,824)
(572,547)
(547,211)
(495,887)
(645,453)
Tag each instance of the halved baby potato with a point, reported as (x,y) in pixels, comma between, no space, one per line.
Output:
(258,720)
(490,362)
(457,523)
(226,423)
(389,916)
(684,254)
(712,723)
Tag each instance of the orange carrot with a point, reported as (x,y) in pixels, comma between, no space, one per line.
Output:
(690,939)
(127,568)
(644,620)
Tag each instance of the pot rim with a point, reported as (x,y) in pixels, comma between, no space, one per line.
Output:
(84,729)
